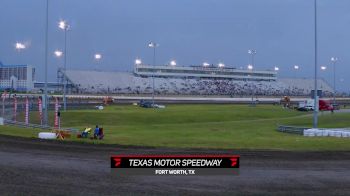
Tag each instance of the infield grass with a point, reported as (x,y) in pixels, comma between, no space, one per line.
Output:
(200,126)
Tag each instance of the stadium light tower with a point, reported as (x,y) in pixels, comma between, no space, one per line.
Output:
(334,61)
(323,68)
(173,63)
(221,65)
(20,46)
(296,68)
(276,68)
(138,61)
(154,46)
(250,67)
(252,53)
(98,56)
(65,27)
(58,53)
(205,64)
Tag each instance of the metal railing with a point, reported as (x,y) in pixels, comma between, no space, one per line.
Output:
(35,126)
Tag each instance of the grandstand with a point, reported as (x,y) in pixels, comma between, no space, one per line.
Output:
(303,86)
(189,83)
(209,72)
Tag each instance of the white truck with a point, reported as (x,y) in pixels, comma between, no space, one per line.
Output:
(307,105)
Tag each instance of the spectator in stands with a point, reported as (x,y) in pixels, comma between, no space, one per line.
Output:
(104,82)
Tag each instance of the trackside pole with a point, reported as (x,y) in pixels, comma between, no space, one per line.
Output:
(3,107)
(315,114)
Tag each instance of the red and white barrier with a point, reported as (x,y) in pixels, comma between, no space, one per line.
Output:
(40,108)
(27,111)
(56,113)
(15,109)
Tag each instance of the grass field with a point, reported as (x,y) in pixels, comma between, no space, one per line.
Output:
(201,126)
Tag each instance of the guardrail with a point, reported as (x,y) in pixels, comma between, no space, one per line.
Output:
(35,126)
(292,129)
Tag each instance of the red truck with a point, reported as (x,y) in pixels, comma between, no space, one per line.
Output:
(308,105)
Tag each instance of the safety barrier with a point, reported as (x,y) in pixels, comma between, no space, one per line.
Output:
(292,129)
(319,132)
(344,133)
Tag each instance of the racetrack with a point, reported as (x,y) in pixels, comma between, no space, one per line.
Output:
(34,167)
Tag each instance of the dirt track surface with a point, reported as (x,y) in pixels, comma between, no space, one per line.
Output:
(34,167)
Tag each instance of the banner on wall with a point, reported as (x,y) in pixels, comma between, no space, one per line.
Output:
(40,108)
(27,111)
(15,109)
(56,113)
(3,96)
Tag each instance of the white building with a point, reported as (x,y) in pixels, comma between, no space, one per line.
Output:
(17,77)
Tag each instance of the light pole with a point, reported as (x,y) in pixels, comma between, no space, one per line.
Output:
(250,67)
(154,46)
(252,52)
(138,61)
(173,63)
(20,46)
(3,96)
(205,64)
(315,115)
(45,108)
(221,65)
(334,61)
(65,27)
(296,68)
(97,57)
(58,54)
(323,68)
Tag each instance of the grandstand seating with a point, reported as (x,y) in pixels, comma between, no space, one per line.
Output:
(128,83)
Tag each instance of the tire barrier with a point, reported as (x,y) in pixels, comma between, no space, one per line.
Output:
(344,133)
(311,132)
